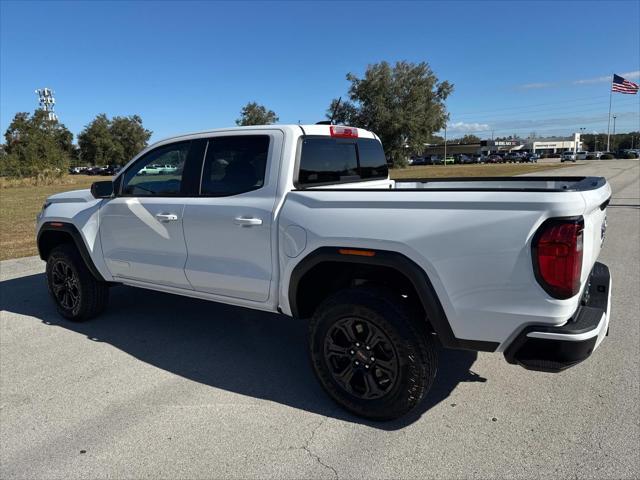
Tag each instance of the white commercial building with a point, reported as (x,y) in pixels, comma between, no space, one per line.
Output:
(555,144)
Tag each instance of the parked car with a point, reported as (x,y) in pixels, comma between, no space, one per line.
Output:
(110,170)
(581,155)
(150,170)
(275,229)
(94,170)
(494,158)
(568,157)
(449,160)
(465,159)
(628,154)
(531,158)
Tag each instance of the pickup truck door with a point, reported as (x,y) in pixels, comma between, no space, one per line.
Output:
(141,228)
(228,226)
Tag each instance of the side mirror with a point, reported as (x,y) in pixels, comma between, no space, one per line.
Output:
(102,189)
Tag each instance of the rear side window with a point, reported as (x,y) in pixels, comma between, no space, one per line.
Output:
(234,165)
(373,163)
(325,160)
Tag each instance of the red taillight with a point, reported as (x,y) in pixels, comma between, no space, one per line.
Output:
(343,132)
(557,256)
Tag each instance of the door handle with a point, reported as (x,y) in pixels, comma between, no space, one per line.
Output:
(248,222)
(167,217)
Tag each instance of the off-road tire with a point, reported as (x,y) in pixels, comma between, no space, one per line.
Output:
(90,296)
(415,348)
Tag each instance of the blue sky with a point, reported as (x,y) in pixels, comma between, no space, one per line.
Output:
(517,67)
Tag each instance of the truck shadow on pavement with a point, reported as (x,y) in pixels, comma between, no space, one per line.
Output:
(252,353)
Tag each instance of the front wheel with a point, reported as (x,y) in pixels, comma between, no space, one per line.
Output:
(76,292)
(371,354)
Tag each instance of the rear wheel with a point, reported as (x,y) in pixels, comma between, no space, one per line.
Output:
(76,292)
(370,354)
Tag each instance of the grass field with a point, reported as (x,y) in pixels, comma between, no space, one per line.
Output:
(20,204)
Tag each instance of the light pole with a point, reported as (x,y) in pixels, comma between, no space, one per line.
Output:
(444,160)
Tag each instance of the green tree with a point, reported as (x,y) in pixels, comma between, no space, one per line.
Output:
(255,114)
(468,138)
(96,142)
(403,104)
(112,142)
(130,136)
(36,146)
(619,141)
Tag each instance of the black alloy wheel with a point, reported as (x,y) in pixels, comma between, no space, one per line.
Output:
(361,358)
(65,285)
(78,295)
(372,352)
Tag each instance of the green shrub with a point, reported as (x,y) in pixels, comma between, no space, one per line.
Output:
(607,156)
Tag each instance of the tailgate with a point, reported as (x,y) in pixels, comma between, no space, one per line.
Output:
(595,225)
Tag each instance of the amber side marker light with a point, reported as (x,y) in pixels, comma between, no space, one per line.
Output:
(361,253)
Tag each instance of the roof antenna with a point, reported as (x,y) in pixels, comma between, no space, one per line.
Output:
(335,109)
(333,114)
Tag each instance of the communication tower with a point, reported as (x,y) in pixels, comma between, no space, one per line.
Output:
(47,102)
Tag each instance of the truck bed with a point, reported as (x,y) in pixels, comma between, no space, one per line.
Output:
(471,236)
(511,184)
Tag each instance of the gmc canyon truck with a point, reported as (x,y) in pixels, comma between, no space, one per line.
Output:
(304,220)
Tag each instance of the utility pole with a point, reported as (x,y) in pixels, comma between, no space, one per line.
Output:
(614,130)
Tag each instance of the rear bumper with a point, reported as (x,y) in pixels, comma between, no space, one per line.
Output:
(553,349)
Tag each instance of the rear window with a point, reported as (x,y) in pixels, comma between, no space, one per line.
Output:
(326,160)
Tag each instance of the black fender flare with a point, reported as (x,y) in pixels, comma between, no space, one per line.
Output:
(416,275)
(71,230)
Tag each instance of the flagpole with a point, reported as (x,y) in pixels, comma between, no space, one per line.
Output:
(609,122)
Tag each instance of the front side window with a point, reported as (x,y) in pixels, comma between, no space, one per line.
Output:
(234,165)
(158,173)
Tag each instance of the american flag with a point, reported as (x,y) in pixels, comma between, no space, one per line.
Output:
(621,85)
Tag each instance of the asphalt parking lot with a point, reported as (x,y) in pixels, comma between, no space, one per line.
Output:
(168,387)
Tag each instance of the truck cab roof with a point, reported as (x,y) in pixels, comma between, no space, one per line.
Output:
(295,129)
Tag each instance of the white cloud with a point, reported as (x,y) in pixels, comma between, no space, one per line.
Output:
(583,81)
(587,81)
(532,86)
(562,121)
(607,78)
(467,127)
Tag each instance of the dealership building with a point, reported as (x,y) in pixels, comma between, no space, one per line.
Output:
(535,145)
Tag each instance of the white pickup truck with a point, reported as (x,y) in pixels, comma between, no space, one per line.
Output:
(304,220)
